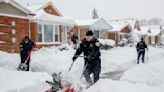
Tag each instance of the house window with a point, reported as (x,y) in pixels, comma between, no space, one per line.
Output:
(97,33)
(48,33)
(40,33)
(56,31)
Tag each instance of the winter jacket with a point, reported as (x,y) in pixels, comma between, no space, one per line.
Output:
(141,46)
(90,49)
(74,39)
(26,48)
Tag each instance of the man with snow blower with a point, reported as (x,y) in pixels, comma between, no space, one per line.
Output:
(141,46)
(26,46)
(90,47)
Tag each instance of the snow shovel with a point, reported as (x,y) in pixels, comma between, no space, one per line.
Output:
(147,56)
(23,66)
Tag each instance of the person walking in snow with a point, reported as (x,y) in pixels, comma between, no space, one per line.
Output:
(26,45)
(74,40)
(90,47)
(141,46)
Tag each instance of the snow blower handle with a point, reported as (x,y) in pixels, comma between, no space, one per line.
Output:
(73,61)
(71,66)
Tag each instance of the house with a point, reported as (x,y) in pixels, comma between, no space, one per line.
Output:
(162,35)
(39,19)
(98,26)
(152,34)
(122,29)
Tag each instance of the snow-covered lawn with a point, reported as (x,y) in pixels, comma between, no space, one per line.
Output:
(133,78)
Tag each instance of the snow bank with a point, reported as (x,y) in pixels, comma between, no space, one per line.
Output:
(106,85)
(151,74)
(107,42)
(14,81)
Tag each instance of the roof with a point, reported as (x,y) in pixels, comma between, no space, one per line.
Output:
(151,30)
(41,15)
(95,24)
(117,25)
(31,6)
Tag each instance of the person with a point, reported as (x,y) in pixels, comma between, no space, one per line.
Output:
(141,46)
(26,45)
(74,39)
(90,47)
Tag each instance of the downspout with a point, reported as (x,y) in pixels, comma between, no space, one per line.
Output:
(29,29)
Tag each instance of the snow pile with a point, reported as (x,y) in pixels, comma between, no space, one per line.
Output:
(107,42)
(151,74)
(14,81)
(107,85)
(123,42)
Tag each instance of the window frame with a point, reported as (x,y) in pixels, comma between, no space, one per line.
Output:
(54,32)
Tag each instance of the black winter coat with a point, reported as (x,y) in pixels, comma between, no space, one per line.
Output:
(141,46)
(26,48)
(90,49)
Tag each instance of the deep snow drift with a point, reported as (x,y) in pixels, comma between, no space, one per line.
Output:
(144,78)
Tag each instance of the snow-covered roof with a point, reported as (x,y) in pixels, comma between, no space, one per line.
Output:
(131,22)
(120,24)
(85,22)
(94,24)
(151,30)
(117,25)
(41,15)
(31,6)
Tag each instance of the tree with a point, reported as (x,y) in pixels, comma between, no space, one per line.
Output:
(94,14)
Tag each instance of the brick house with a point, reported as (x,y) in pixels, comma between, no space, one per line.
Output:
(122,29)
(98,26)
(40,20)
(152,34)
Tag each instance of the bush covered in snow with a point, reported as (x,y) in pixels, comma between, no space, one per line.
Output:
(107,43)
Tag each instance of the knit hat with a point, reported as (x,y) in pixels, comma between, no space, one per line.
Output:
(89,33)
(26,38)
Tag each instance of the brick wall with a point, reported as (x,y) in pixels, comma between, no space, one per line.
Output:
(113,36)
(21,27)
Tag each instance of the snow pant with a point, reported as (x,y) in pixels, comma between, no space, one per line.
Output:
(141,53)
(23,59)
(92,67)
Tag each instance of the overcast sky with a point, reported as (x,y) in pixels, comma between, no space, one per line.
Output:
(112,9)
